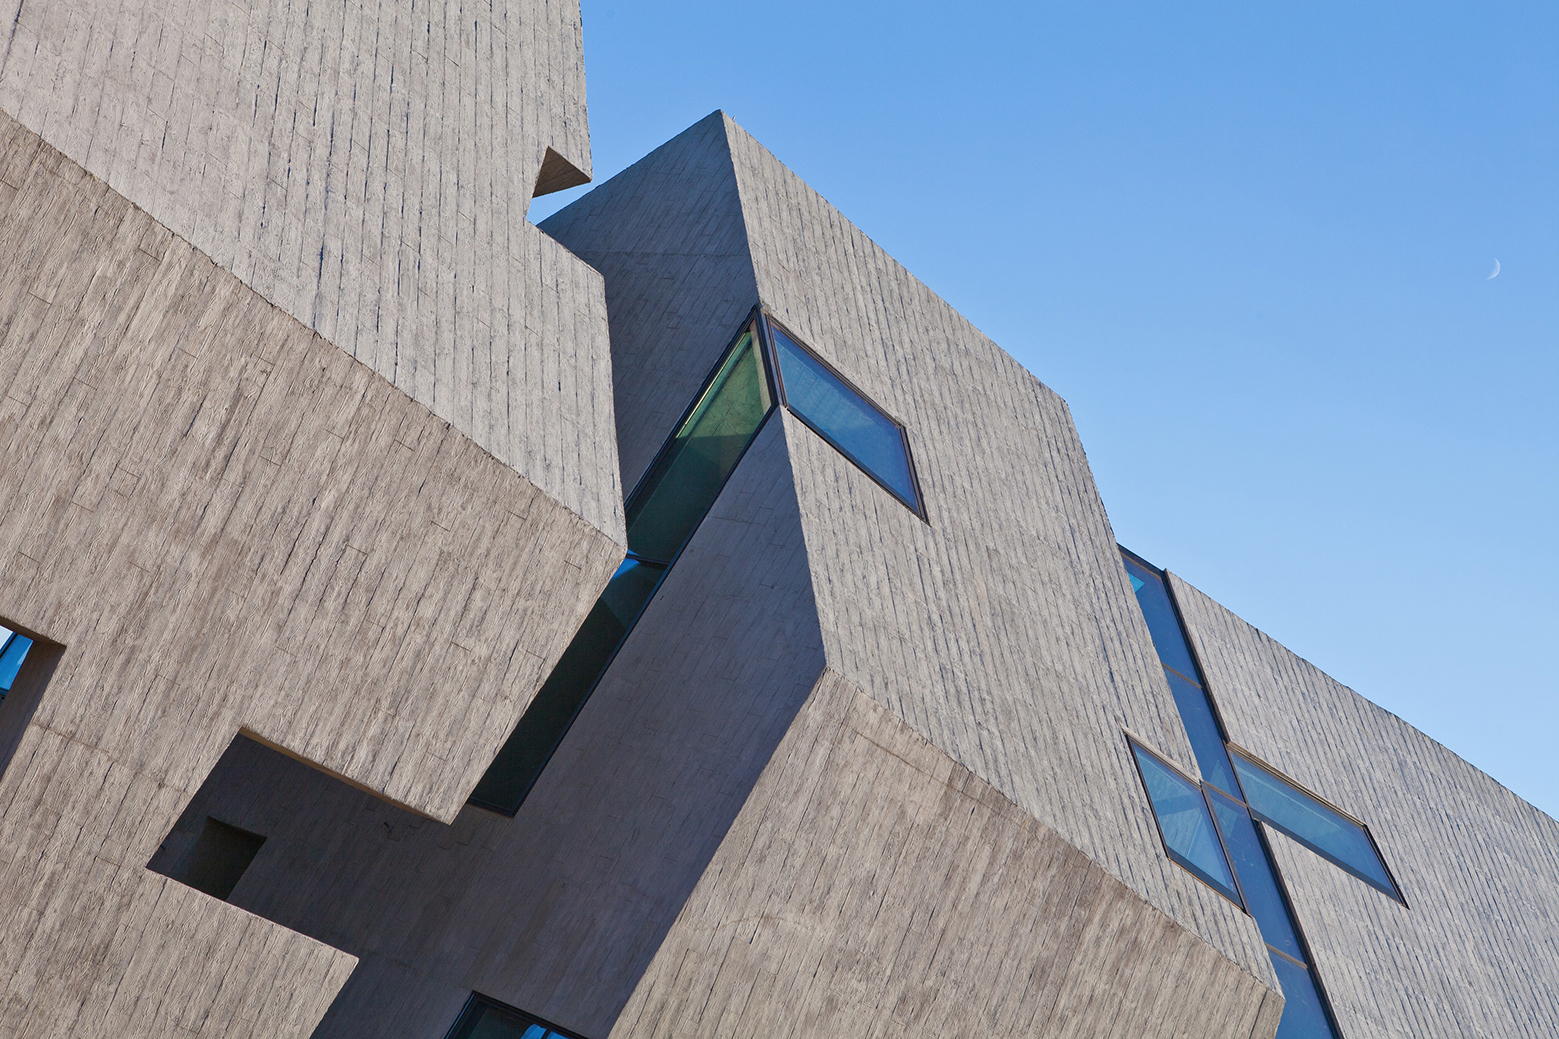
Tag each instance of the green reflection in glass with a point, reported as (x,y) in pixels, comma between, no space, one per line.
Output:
(670,502)
(690,470)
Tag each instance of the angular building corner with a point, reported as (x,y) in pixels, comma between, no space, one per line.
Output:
(307,444)
(340,712)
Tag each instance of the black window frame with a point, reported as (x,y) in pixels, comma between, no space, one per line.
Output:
(769,323)
(477,999)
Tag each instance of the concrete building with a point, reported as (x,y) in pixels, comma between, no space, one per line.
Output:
(343,714)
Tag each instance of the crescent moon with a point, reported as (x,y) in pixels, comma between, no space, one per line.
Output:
(1495,272)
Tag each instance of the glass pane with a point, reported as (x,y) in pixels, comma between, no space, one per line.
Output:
(1257,879)
(1273,800)
(866,435)
(11,659)
(1184,820)
(482,1020)
(691,469)
(1163,625)
(1206,738)
(1303,1015)
(546,721)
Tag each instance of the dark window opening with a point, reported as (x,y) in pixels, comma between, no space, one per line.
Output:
(216,861)
(485,1018)
(663,512)
(843,416)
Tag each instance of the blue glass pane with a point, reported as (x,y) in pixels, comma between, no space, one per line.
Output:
(484,1020)
(1262,896)
(1276,802)
(1303,1015)
(1196,712)
(856,427)
(1185,823)
(1163,625)
(692,468)
(11,659)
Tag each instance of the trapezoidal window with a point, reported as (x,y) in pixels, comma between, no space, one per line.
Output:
(841,415)
(485,1018)
(1327,832)
(1185,823)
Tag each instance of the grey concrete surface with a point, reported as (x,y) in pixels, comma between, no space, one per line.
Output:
(1477,954)
(367,168)
(229,525)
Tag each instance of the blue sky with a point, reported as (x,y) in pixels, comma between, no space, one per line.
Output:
(1249,244)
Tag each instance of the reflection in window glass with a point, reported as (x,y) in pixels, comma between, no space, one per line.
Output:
(13,651)
(669,504)
(1206,738)
(1262,897)
(1185,823)
(484,1018)
(1276,802)
(688,474)
(1303,1016)
(846,419)
(1163,625)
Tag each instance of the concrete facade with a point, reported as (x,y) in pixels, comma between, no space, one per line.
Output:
(315,452)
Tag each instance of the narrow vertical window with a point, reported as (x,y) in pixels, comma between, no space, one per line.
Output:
(842,415)
(664,510)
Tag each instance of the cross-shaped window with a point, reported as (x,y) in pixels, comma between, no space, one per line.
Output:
(1209,828)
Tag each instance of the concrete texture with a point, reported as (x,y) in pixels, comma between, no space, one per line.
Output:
(873,887)
(1477,954)
(367,168)
(229,525)
(560,909)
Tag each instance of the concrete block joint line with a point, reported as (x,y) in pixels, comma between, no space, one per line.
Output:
(315,452)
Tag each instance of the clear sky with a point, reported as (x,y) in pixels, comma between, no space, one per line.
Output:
(1250,245)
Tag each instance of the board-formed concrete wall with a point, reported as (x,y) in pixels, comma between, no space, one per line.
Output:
(874,887)
(229,525)
(366,167)
(1003,632)
(1477,954)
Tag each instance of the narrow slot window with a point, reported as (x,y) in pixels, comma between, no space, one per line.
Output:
(1304,1011)
(1159,612)
(690,470)
(13,653)
(665,509)
(218,859)
(1185,823)
(1328,833)
(485,1018)
(1263,897)
(846,419)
